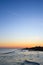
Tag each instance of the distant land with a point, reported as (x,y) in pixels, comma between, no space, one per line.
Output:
(34,49)
(37,48)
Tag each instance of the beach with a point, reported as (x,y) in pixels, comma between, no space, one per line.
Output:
(20,57)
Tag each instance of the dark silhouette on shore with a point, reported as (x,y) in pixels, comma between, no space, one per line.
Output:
(34,49)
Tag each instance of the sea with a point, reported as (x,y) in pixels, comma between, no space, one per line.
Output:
(20,57)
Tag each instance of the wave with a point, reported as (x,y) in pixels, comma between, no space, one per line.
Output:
(31,63)
(8,52)
(26,62)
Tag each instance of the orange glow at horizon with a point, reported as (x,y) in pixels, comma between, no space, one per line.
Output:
(20,44)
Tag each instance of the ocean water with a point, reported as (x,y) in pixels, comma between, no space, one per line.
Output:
(20,57)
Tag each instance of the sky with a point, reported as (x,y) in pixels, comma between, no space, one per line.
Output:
(21,23)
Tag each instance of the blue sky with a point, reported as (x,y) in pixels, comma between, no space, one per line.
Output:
(21,20)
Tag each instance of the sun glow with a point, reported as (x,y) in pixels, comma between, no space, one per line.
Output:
(21,44)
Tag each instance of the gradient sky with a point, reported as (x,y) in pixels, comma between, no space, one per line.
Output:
(21,23)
